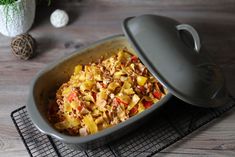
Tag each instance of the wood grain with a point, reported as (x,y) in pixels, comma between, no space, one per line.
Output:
(92,20)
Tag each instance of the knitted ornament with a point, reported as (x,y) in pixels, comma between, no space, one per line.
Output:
(59,18)
(23,46)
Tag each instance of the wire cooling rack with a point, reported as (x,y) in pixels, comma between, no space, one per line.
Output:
(171,123)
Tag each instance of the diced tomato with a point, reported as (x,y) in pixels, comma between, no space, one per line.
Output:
(157,94)
(79,108)
(134,110)
(72,96)
(121,102)
(134,59)
(147,104)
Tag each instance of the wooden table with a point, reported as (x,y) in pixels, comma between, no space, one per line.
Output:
(92,20)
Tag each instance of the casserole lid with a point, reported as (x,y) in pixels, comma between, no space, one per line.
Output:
(186,73)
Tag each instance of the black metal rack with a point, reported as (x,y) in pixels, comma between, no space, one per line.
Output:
(171,123)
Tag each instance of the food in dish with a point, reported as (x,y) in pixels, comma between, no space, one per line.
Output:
(102,94)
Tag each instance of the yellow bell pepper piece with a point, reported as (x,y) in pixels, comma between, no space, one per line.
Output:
(77,69)
(141,107)
(113,85)
(118,74)
(67,108)
(66,91)
(141,80)
(90,124)
(87,85)
(129,91)
(74,104)
(103,94)
(135,99)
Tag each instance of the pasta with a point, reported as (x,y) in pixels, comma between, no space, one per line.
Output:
(102,94)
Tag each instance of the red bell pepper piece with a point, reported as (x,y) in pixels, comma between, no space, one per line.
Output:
(134,110)
(79,108)
(147,104)
(157,94)
(134,59)
(121,102)
(72,96)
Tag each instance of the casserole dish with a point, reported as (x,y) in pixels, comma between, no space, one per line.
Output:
(56,74)
(185,73)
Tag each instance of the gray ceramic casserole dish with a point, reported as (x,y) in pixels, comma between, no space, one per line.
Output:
(139,34)
(55,74)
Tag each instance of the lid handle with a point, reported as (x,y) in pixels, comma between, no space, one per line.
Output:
(193,32)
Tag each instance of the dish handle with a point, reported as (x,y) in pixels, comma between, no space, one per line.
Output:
(193,32)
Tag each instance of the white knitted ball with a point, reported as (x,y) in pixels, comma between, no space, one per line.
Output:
(59,18)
